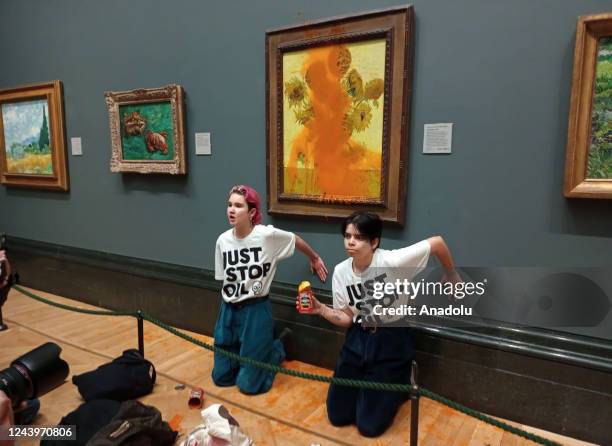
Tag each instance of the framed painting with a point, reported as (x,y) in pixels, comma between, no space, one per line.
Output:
(147,130)
(588,164)
(337,112)
(33,137)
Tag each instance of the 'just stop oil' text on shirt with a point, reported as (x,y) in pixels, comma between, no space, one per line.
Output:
(247,266)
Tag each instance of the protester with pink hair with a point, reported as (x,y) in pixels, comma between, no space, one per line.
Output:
(246,258)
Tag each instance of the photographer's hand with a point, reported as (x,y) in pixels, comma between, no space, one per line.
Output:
(6,416)
(6,269)
(6,410)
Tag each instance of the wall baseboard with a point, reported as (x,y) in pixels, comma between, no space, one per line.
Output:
(526,375)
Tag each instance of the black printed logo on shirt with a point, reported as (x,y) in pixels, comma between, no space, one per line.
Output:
(257,287)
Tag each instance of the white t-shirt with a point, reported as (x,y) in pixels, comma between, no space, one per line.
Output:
(247,265)
(347,286)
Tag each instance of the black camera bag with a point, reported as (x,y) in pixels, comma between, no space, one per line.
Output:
(127,377)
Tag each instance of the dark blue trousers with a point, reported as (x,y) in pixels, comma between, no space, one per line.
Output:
(383,356)
(248,331)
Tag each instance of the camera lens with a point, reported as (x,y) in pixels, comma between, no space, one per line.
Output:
(34,374)
(16,383)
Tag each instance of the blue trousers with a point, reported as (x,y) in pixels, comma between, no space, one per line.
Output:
(248,331)
(384,356)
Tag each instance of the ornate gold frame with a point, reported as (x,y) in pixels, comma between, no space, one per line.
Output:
(588,32)
(171,93)
(52,92)
(396,25)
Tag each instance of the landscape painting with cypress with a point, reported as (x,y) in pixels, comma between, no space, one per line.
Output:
(600,152)
(27,137)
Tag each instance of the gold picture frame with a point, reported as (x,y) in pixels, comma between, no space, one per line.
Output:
(588,164)
(338,94)
(33,137)
(147,130)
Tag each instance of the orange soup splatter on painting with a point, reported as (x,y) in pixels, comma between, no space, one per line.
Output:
(333,102)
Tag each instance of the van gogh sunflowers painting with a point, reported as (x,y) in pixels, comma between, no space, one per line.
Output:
(333,120)
(337,115)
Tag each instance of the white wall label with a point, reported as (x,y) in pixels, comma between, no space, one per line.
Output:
(75,144)
(202,141)
(438,138)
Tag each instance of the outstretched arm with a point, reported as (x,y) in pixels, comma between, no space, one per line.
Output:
(316,263)
(341,318)
(443,254)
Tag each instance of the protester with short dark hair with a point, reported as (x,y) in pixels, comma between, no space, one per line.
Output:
(382,354)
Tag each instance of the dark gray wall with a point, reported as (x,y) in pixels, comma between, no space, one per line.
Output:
(500,70)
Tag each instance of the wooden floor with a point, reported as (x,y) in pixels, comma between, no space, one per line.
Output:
(292,413)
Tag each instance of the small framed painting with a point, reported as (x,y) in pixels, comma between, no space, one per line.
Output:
(147,132)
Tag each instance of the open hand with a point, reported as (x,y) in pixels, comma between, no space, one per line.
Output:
(318,266)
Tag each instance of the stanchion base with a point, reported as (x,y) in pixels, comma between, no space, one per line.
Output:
(3,327)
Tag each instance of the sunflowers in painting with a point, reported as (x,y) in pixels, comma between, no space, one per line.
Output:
(359,115)
(333,110)
(295,90)
(374,89)
(303,115)
(354,84)
(343,59)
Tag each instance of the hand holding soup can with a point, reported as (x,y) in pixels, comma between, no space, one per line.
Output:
(305,297)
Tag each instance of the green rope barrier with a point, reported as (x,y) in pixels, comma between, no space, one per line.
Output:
(75,309)
(356,383)
(278,369)
(487,419)
(304,375)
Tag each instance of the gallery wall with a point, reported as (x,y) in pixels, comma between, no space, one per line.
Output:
(499,70)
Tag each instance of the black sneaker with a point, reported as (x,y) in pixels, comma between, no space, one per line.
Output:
(286,337)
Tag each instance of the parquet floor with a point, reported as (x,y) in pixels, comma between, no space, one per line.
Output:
(292,413)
